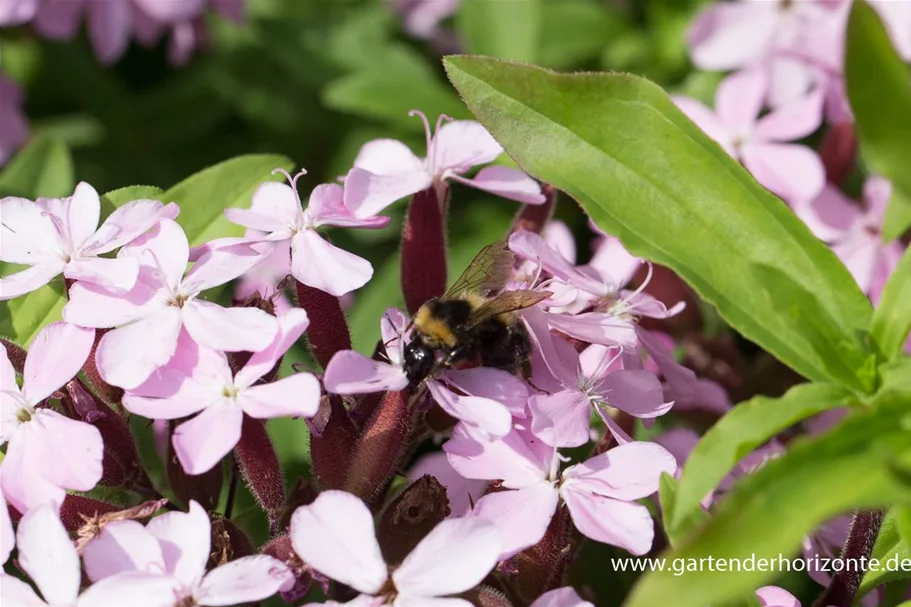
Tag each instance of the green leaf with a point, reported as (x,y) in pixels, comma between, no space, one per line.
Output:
(667,495)
(203,197)
(739,432)
(119,197)
(889,545)
(509,30)
(892,317)
(23,317)
(770,512)
(43,168)
(880,94)
(645,173)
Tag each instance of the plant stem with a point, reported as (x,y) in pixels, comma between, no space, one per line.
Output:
(861,538)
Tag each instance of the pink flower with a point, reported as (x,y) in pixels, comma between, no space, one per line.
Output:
(266,277)
(199,380)
(422,17)
(61,235)
(561,597)
(49,557)
(791,171)
(276,211)
(773,596)
(13,125)
(150,316)
(349,372)
(111,23)
(855,232)
(335,536)
(7,536)
(164,563)
(767,35)
(600,493)
(386,170)
(39,467)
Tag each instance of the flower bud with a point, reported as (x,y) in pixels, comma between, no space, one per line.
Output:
(15,354)
(328,330)
(487,596)
(108,393)
(542,567)
(379,449)
(94,523)
(410,517)
(533,217)
(331,449)
(424,247)
(228,542)
(77,510)
(260,468)
(838,152)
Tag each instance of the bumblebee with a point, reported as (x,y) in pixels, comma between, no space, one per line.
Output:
(474,321)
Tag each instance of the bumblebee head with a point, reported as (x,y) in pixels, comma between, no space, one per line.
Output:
(419,359)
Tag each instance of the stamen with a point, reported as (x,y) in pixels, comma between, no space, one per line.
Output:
(427,134)
(436,133)
(291,180)
(160,274)
(605,363)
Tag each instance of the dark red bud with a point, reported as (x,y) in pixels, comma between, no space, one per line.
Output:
(205,488)
(838,152)
(533,217)
(120,464)
(328,331)
(108,393)
(377,454)
(438,420)
(541,568)
(331,449)
(228,542)
(303,493)
(280,548)
(424,247)
(15,354)
(93,524)
(410,517)
(487,596)
(76,510)
(259,466)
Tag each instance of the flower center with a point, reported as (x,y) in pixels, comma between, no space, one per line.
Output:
(24,415)
(179,299)
(388,592)
(230,392)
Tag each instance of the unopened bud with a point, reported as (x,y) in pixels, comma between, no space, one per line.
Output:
(258,463)
(328,330)
(424,247)
(487,596)
(410,517)
(108,393)
(331,449)
(93,523)
(541,568)
(533,217)
(205,488)
(77,509)
(838,152)
(15,354)
(228,542)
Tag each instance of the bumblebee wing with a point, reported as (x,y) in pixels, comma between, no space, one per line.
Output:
(488,271)
(508,301)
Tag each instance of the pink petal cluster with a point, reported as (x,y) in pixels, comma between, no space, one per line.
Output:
(13,124)
(39,467)
(335,535)
(112,23)
(61,236)
(199,380)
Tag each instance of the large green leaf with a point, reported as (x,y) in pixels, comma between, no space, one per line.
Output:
(667,496)
(645,173)
(119,197)
(892,317)
(22,318)
(889,545)
(768,513)
(740,431)
(509,30)
(879,89)
(43,168)
(203,197)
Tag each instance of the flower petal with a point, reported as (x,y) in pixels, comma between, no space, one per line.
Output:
(793,172)
(773,596)
(460,491)
(739,99)
(511,459)
(66,452)
(83,212)
(625,524)
(628,472)
(54,358)
(185,542)
(335,536)
(22,488)
(90,305)
(569,415)
(350,372)
(291,326)
(460,145)
(29,279)
(218,265)
(453,558)
(109,29)
(164,250)
(297,395)
(387,157)
(731,36)
(635,391)
(134,588)
(706,120)
(118,275)
(127,355)
(507,182)
(496,384)
(596,328)
(561,597)
(321,265)
(793,121)
(489,417)
(228,329)
(8,537)
(366,193)
(121,546)
(48,556)
(128,223)
(203,441)
(521,516)
(29,236)
(245,580)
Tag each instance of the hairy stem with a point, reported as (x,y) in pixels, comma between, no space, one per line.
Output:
(861,538)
